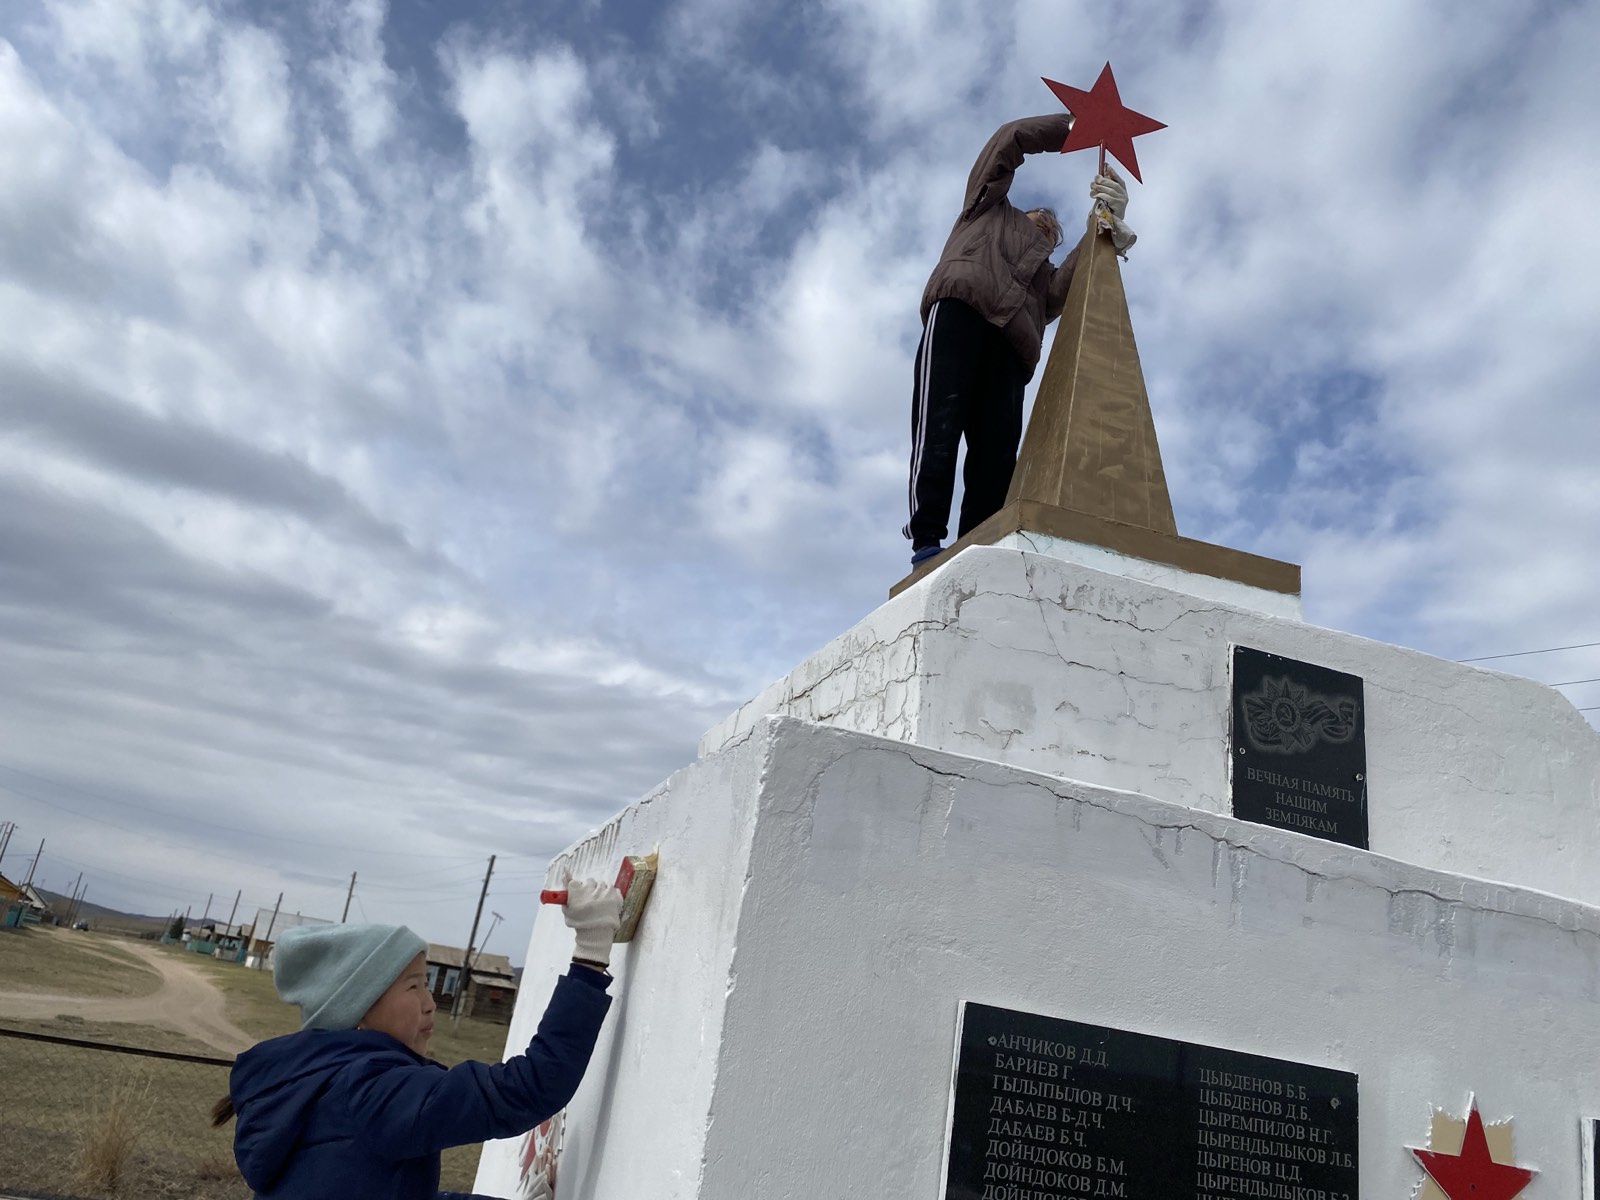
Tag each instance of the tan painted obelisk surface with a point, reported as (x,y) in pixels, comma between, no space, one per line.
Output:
(1091,442)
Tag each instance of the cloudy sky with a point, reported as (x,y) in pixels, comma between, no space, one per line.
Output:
(419,422)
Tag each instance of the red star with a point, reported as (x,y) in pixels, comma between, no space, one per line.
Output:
(1472,1174)
(1102,120)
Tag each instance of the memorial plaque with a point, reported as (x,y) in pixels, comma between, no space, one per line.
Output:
(1046,1109)
(1299,747)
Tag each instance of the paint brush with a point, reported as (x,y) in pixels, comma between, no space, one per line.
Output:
(634,880)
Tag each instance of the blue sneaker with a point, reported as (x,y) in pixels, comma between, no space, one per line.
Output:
(925,553)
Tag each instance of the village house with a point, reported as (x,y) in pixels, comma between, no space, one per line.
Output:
(491,992)
(10,901)
(267,928)
(21,904)
(218,939)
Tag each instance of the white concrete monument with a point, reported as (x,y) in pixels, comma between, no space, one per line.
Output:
(993,827)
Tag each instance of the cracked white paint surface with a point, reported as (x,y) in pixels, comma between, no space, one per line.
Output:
(786,1020)
(1207,587)
(1053,666)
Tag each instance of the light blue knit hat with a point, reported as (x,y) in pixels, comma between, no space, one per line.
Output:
(335,973)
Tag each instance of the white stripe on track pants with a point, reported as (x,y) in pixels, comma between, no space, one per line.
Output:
(968,383)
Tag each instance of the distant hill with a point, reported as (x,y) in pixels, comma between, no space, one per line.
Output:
(100,917)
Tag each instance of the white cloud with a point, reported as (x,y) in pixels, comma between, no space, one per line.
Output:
(361,77)
(254,117)
(397,429)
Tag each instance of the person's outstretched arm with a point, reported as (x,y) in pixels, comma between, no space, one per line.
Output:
(997,164)
(403,1110)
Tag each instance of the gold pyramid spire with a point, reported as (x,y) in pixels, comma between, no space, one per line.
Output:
(1091,443)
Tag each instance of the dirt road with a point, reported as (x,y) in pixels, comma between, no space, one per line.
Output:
(186,1001)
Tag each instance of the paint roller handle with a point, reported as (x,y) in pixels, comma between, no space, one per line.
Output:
(553,896)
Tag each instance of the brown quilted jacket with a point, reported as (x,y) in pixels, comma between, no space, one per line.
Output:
(996,259)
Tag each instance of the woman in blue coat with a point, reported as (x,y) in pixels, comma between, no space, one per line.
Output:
(350,1107)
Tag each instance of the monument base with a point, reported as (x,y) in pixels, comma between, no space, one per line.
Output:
(1264,584)
(786,1019)
(1096,675)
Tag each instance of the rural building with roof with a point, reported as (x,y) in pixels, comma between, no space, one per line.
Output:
(267,928)
(491,991)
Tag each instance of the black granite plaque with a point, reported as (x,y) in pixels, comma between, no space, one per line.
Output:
(1594,1160)
(1299,746)
(1047,1109)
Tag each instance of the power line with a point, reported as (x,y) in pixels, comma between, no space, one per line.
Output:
(429,898)
(401,902)
(83,791)
(429,893)
(1526,653)
(471,867)
(1572,682)
(435,889)
(442,889)
(148,836)
(143,884)
(191,846)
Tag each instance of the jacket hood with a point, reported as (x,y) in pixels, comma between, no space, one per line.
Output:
(275,1087)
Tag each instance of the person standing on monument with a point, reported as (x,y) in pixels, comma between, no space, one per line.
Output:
(984,313)
(351,1106)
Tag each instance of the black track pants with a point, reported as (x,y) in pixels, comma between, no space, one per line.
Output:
(969,383)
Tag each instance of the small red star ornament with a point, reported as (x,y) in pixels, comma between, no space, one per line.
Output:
(1473,1174)
(1101,119)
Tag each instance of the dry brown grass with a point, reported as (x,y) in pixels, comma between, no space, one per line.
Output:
(45,1141)
(69,962)
(218,1168)
(110,1135)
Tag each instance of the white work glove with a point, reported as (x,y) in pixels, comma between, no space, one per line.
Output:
(1109,190)
(1110,195)
(1122,236)
(594,911)
(538,1187)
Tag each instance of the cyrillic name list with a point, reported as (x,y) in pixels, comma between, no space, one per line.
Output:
(1254,1135)
(1041,1123)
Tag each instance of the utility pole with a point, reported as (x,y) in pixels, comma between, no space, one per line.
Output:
(466,959)
(235,910)
(207,912)
(6,831)
(268,939)
(481,949)
(347,896)
(79,905)
(72,896)
(77,899)
(28,882)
